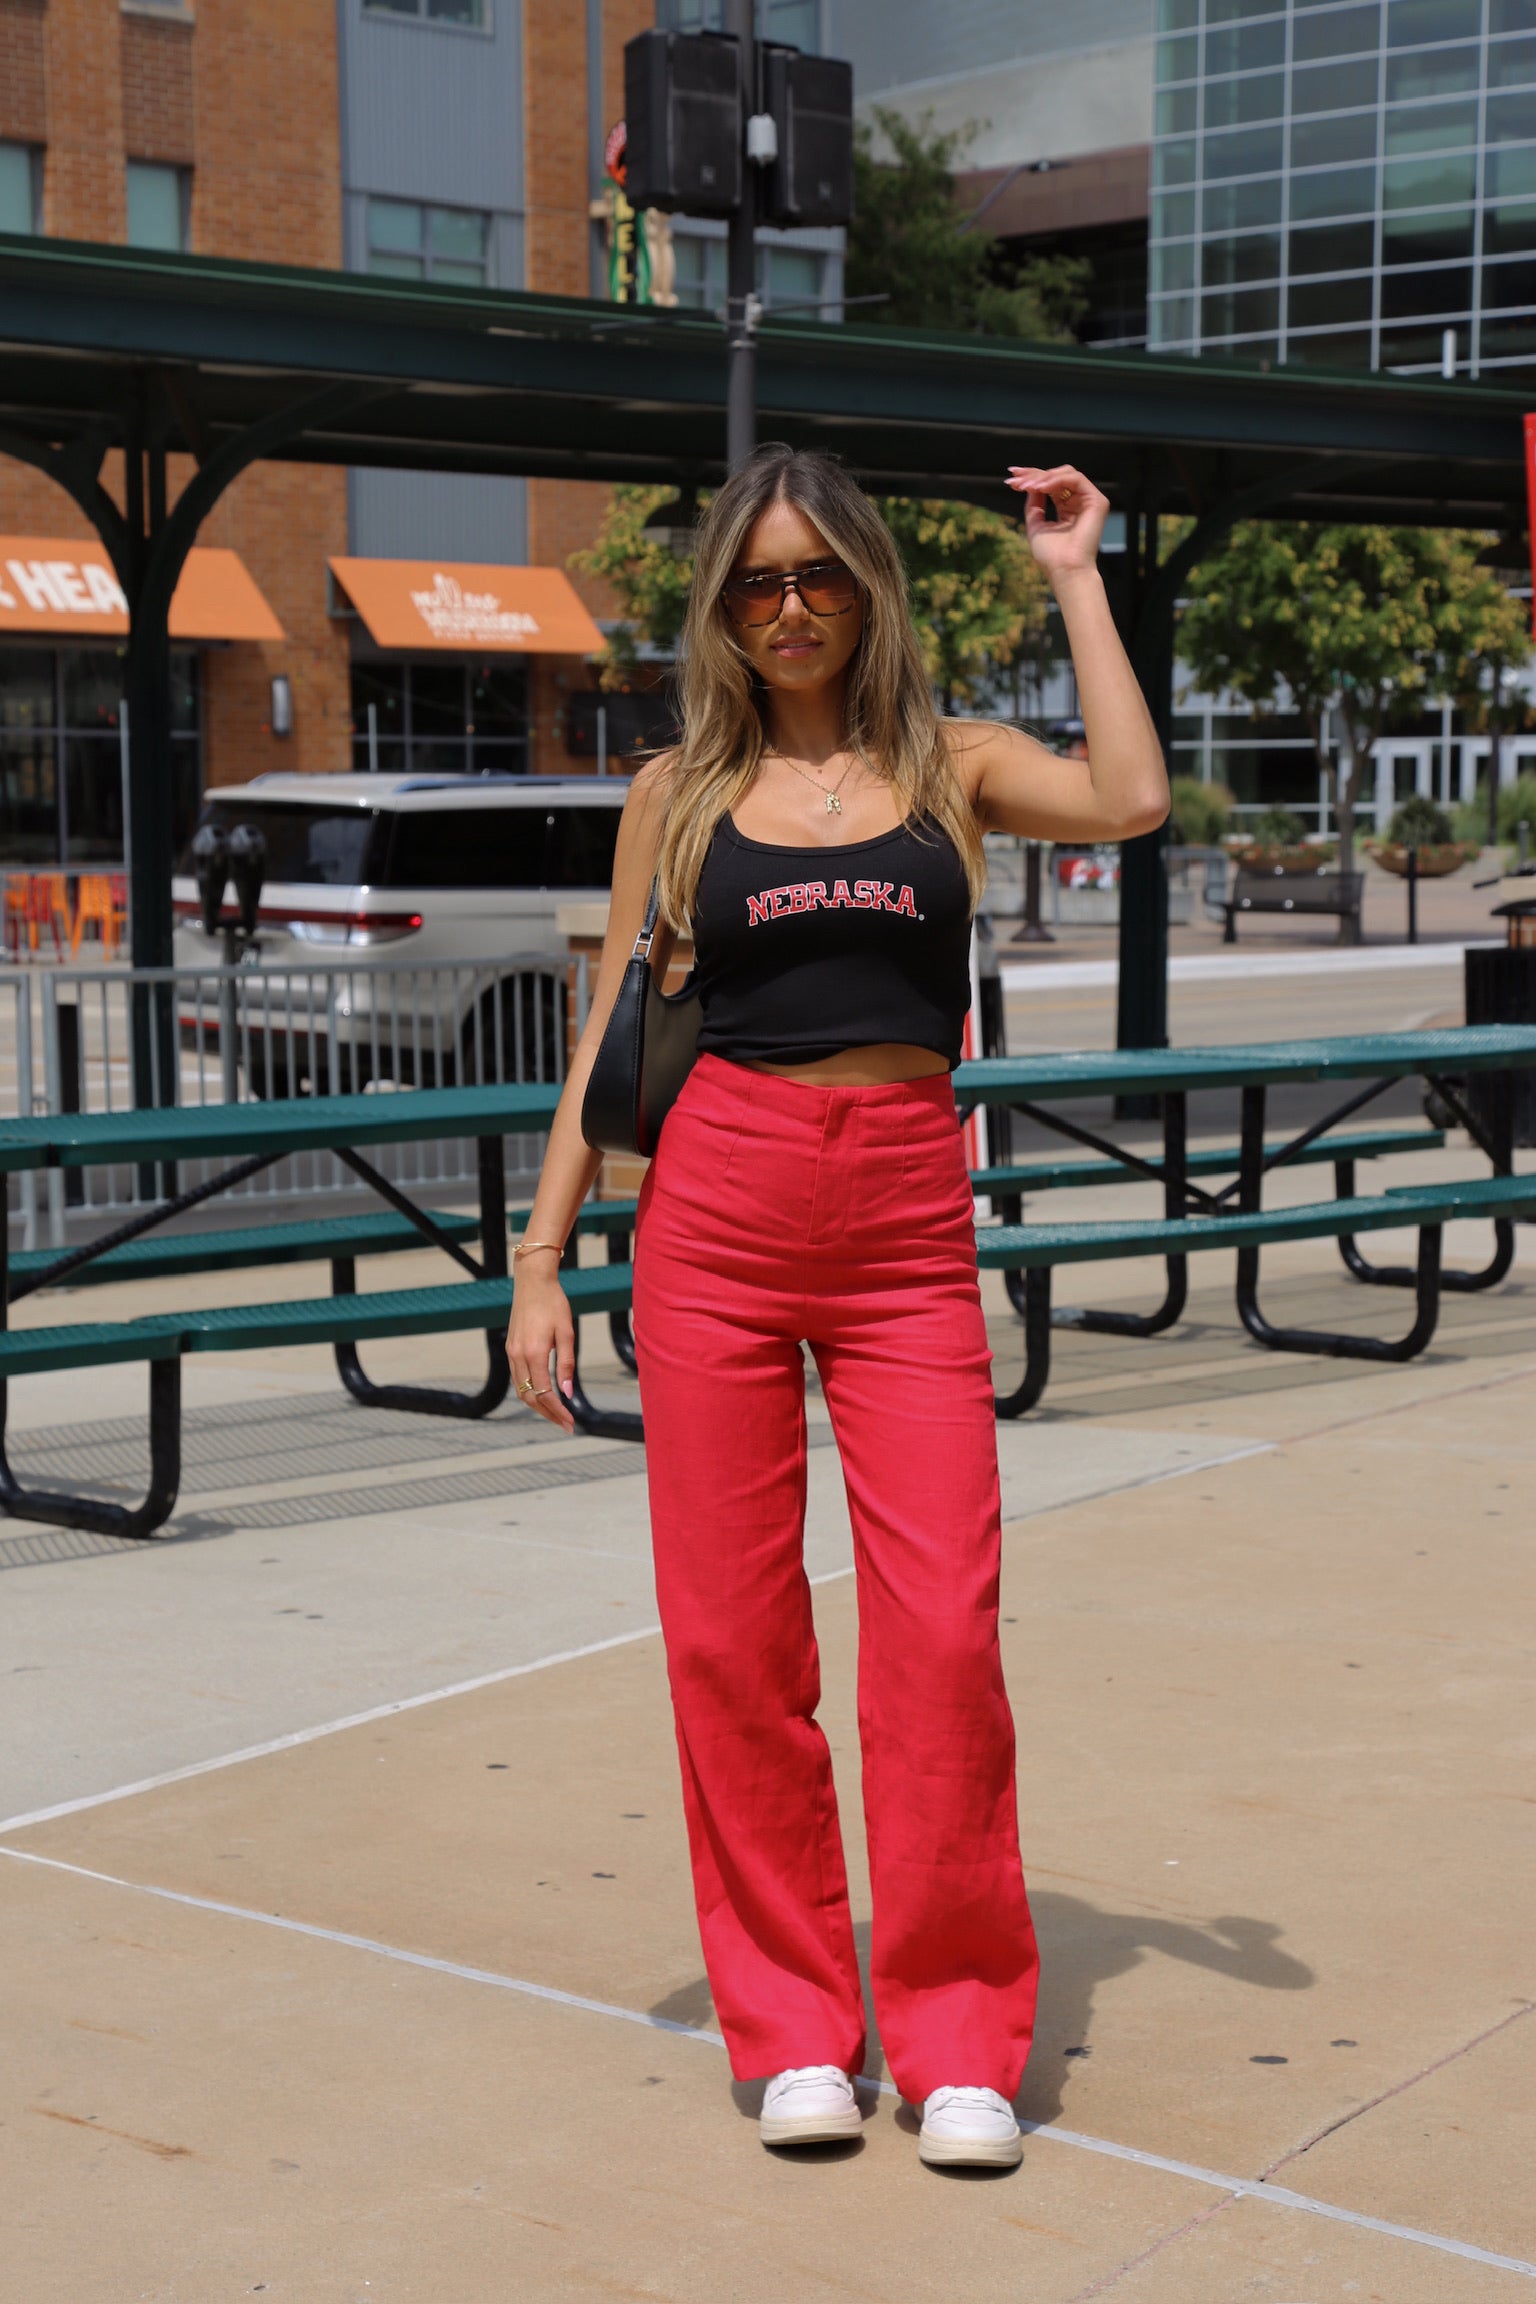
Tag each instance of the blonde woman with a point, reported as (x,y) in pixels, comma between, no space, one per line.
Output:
(820,829)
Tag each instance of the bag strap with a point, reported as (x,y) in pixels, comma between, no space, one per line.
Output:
(647,935)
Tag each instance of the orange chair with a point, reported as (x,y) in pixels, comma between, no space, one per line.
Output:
(35,901)
(101,905)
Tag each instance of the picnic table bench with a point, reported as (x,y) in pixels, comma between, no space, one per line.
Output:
(1338,893)
(1196,1218)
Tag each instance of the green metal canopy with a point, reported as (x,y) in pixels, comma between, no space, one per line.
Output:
(95,342)
(104,347)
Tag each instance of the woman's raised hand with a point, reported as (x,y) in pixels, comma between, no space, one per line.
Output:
(1069,543)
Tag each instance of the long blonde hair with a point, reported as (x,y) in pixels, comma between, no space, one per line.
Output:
(890,721)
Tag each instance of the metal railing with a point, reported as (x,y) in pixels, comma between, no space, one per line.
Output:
(244,1034)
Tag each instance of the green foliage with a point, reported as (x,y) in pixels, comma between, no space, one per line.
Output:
(975,590)
(1201,813)
(1421,823)
(1351,621)
(1278,828)
(652,585)
(909,242)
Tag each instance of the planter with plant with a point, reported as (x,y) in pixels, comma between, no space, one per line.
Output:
(1420,824)
(1278,843)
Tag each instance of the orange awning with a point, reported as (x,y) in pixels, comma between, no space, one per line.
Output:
(63,589)
(465,607)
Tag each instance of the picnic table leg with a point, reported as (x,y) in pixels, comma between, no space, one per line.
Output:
(91,1513)
(1175,1157)
(1500,1148)
(1425,1277)
(597,1423)
(620,1324)
(1037,1345)
(421,1399)
(94,1514)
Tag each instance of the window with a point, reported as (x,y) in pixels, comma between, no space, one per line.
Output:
(1426,239)
(1177,110)
(1334,248)
(410,241)
(700,273)
(1328,143)
(796,21)
(1229,103)
(1507,285)
(158,205)
(1334,87)
(1255,257)
(1509,227)
(1226,314)
(794,276)
(444,716)
(1512,119)
(1341,32)
(1172,268)
(1178,59)
(1406,295)
(1428,183)
(1173,215)
(473,13)
(502,848)
(1242,152)
(1343,192)
(61,778)
(1438,127)
(1330,303)
(1415,23)
(1244,47)
(1232,207)
(307,847)
(1512,64)
(19,174)
(1435,72)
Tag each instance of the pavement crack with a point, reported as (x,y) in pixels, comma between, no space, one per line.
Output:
(1398,2088)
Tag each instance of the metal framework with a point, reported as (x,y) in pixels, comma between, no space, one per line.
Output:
(107,349)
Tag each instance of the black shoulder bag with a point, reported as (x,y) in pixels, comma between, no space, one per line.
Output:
(645,1055)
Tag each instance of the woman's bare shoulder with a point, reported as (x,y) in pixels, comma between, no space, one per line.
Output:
(970,745)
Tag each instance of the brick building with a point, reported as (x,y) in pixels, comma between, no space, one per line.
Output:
(220,126)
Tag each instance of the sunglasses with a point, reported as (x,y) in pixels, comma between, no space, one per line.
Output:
(825,588)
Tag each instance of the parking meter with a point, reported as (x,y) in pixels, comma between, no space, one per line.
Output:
(210,863)
(247,869)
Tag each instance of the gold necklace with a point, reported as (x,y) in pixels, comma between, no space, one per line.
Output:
(834,805)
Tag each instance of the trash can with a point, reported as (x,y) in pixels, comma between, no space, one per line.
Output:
(1501,989)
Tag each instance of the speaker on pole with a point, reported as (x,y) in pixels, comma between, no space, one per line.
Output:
(683,122)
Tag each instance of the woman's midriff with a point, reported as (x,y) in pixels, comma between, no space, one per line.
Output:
(874,1067)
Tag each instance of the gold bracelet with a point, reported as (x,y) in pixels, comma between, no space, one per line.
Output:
(527,1247)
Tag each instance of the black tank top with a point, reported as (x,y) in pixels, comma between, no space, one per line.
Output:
(803,952)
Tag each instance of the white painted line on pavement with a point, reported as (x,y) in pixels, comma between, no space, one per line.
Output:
(387,1711)
(1232,967)
(1237,2187)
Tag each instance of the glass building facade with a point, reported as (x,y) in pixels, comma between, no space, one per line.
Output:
(1350,184)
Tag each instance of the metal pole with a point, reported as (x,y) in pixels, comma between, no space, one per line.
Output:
(602,739)
(742,308)
(1413,895)
(598,284)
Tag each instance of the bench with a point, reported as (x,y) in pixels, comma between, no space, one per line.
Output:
(1035,1249)
(1016,1179)
(1338,893)
(162,1339)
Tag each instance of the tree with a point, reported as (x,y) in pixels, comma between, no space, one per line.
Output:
(911,243)
(652,582)
(1348,621)
(976,592)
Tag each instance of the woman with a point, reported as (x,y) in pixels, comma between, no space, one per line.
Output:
(821,829)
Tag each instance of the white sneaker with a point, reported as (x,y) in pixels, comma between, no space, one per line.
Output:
(969,2128)
(813,2104)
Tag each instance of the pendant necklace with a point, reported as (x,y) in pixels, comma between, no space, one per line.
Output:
(834,805)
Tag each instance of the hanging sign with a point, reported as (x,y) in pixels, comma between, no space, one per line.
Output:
(1530,499)
(629,254)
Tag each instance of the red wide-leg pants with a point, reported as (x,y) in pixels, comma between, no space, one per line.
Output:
(775,1212)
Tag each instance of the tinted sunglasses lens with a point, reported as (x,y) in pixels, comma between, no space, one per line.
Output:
(828,590)
(751,600)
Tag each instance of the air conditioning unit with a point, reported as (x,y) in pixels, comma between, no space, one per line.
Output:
(682,118)
(811,101)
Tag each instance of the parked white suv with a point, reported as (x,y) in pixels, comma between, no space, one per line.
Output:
(440,872)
